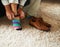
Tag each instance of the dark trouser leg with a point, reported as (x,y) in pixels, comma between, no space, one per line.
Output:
(2,10)
(27,3)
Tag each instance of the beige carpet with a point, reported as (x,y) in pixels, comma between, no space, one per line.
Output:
(29,36)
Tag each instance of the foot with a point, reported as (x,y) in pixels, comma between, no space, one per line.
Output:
(16,24)
(43,22)
(39,25)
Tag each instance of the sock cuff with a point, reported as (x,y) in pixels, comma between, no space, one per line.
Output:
(15,20)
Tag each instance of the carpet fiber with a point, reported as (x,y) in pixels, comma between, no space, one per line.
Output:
(29,36)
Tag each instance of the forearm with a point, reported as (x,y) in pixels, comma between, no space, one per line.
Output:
(14,8)
(7,7)
(6,4)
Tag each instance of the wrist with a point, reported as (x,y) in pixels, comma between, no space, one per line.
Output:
(21,6)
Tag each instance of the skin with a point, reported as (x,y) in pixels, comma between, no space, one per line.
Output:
(21,12)
(14,8)
(9,12)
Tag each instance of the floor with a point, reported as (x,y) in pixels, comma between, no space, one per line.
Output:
(29,36)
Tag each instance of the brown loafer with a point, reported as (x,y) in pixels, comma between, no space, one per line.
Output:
(43,22)
(39,25)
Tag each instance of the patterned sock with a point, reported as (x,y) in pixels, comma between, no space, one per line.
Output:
(17,24)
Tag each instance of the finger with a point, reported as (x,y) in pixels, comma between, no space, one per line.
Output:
(12,15)
(19,10)
(22,15)
(9,17)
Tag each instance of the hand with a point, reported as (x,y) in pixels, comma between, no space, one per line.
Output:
(21,13)
(10,14)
